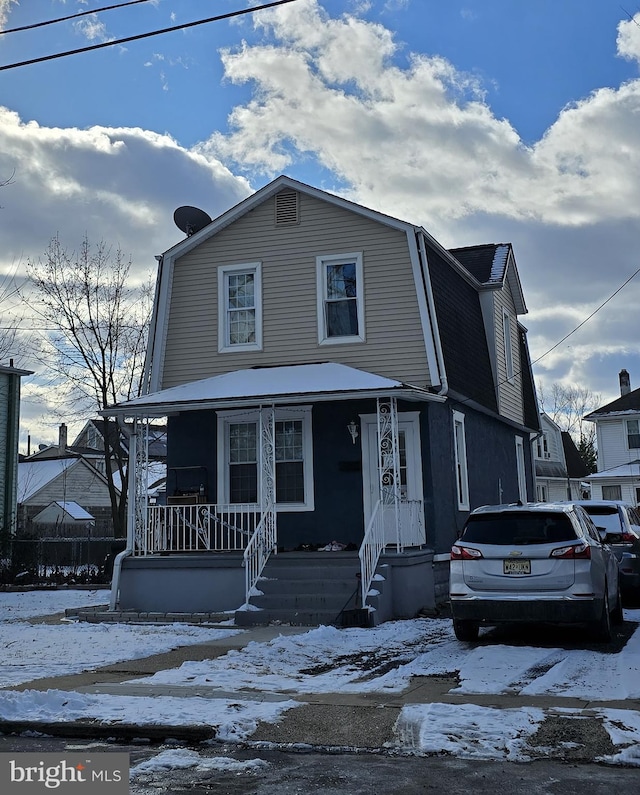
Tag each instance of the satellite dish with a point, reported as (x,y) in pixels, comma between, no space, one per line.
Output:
(190,220)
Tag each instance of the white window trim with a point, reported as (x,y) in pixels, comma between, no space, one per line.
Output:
(520,467)
(508,346)
(321,263)
(627,433)
(224,418)
(461,465)
(223,330)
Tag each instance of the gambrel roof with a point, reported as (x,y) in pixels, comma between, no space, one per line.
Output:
(493,265)
(447,287)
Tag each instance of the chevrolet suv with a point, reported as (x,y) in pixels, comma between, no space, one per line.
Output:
(536,563)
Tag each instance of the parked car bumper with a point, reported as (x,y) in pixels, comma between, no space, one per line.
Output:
(499,611)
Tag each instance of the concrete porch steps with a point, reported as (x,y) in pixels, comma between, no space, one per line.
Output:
(306,589)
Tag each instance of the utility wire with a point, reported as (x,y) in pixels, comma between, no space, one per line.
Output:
(586,320)
(127,39)
(72,16)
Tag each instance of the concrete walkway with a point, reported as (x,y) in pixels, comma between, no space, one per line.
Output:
(365,721)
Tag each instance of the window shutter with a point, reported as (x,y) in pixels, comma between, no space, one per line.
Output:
(287,208)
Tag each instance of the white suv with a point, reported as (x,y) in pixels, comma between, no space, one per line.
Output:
(537,562)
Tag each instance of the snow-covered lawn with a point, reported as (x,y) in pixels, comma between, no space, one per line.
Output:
(322,660)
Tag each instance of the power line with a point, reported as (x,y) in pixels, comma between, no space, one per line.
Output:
(138,36)
(71,16)
(595,311)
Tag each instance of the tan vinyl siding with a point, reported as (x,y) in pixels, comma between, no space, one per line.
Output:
(80,483)
(509,393)
(394,345)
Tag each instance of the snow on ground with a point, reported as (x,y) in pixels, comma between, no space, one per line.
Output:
(35,651)
(322,660)
(18,605)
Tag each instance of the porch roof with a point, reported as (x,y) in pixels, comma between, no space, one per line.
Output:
(273,385)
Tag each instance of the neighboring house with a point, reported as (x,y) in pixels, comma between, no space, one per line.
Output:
(560,471)
(62,480)
(66,517)
(333,379)
(618,440)
(9,428)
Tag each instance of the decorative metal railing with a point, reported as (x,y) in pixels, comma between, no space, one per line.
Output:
(197,528)
(262,543)
(382,531)
(371,549)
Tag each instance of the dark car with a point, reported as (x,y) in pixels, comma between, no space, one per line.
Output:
(622,524)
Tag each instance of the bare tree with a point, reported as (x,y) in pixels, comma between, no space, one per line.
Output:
(94,339)
(567,407)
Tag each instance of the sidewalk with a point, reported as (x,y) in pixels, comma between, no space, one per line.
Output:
(365,721)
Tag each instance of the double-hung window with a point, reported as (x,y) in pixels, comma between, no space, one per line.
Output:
(340,298)
(460,454)
(633,434)
(240,307)
(239,456)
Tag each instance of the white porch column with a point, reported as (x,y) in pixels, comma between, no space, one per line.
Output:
(389,462)
(137,535)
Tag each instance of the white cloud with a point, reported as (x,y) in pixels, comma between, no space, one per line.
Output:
(629,38)
(117,185)
(92,28)
(415,138)
(5,10)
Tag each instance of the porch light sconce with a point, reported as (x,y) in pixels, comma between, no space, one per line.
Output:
(353,430)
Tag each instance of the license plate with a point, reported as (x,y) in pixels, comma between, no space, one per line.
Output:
(516,566)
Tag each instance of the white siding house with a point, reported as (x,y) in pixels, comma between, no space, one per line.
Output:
(618,440)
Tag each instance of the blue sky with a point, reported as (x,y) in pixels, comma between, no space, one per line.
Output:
(484,121)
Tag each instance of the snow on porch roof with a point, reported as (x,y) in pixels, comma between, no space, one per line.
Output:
(285,384)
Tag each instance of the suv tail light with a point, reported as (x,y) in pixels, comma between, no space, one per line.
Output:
(465,553)
(579,551)
(629,538)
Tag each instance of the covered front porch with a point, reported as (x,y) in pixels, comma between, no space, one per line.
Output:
(319,460)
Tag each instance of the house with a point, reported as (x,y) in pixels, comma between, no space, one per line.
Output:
(90,444)
(618,441)
(341,391)
(62,498)
(9,427)
(560,471)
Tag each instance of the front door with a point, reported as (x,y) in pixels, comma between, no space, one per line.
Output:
(410,463)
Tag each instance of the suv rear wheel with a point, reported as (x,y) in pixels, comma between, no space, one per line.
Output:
(465,630)
(617,617)
(601,629)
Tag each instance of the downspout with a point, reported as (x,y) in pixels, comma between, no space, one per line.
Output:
(444,385)
(131,513)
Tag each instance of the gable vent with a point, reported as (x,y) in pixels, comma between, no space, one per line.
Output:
(287,208)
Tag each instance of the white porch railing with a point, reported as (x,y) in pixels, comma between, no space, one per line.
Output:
(261,545)
(382,531)
(197,528)
(371,549)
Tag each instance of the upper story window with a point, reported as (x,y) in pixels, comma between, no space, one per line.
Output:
(340,298)
(633,434)
(508,345)
(240,307)
(542,449)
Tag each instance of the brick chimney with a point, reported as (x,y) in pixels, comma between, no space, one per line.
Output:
(625,383)
(62,439)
